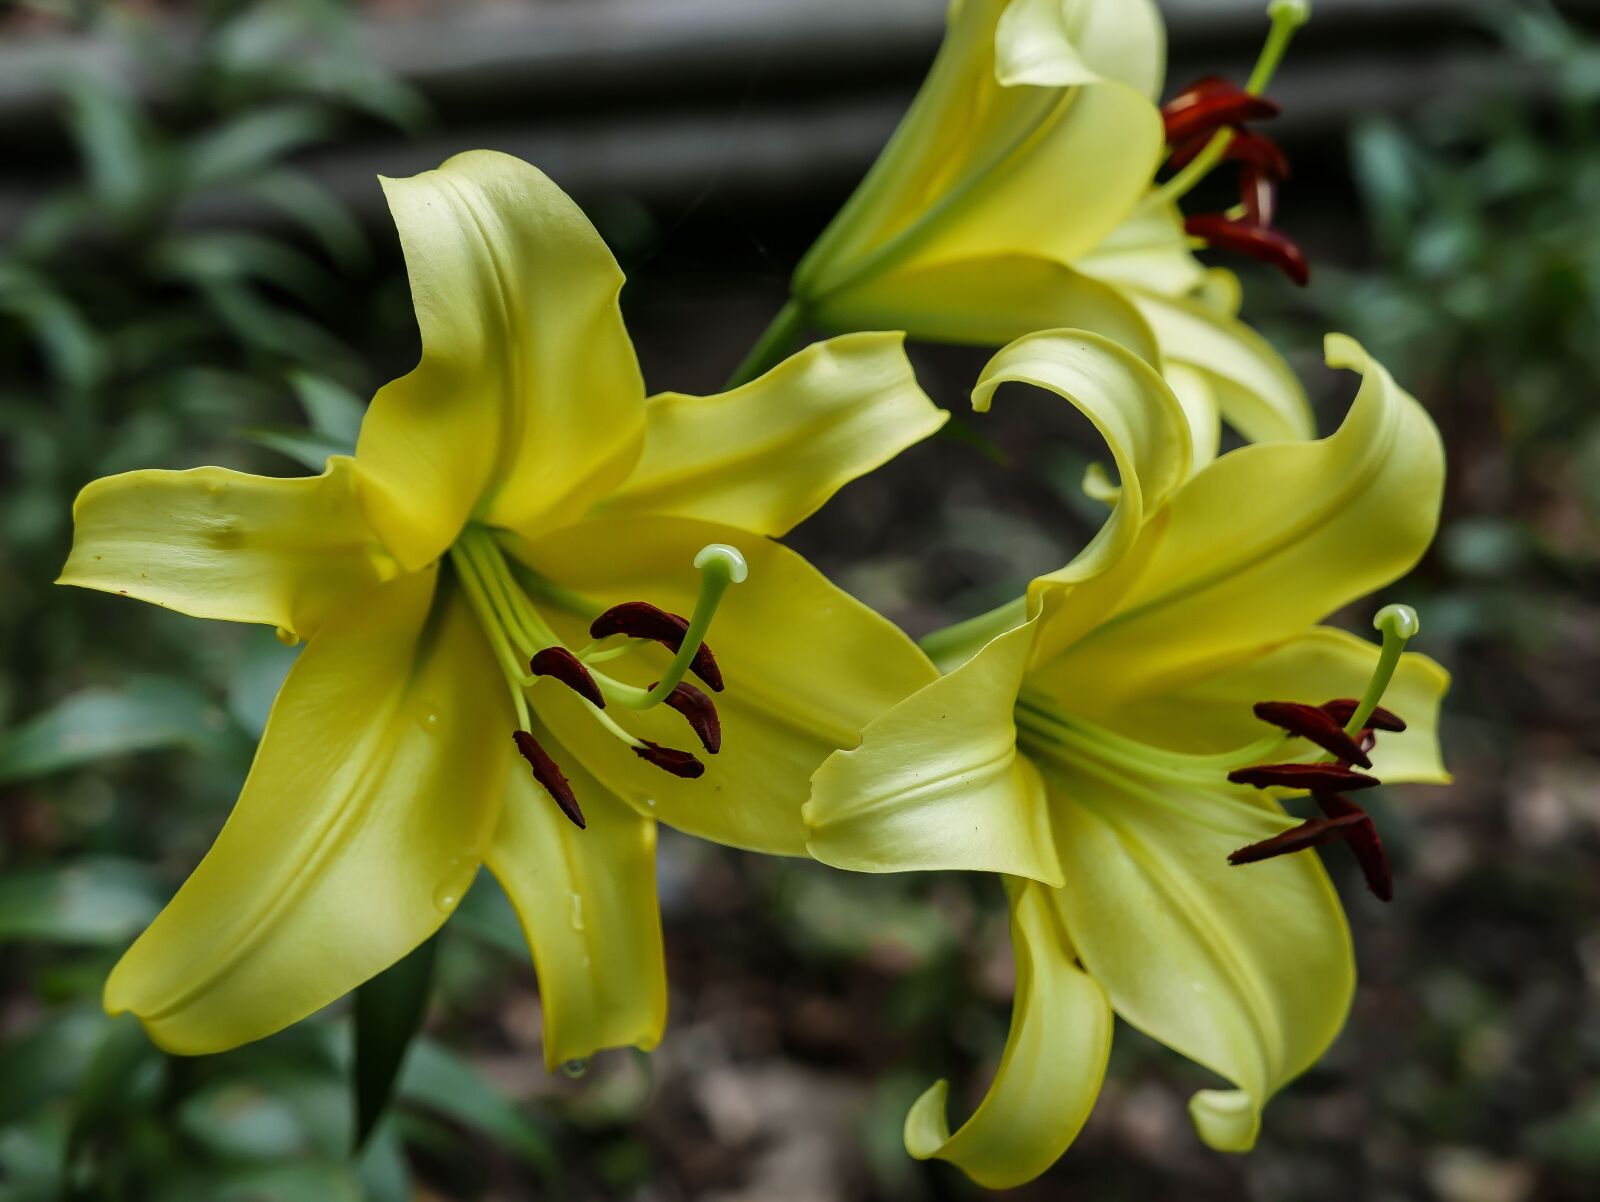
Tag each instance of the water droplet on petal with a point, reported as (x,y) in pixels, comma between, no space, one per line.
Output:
(576,915)
(575,1068)
(428,717)
(457,879)
(650,802)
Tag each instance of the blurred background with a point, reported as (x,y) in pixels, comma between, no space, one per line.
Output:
(195,260)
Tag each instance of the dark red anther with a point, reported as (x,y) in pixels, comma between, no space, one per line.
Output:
(550,776)
(1315,724)
(641,620)
(670,759)
(1313,832)
(1258,195)
(1309,777)
(700,713)
(1251,149)
(566,667)
(1364,843)
(1258,242)
(1209,105)
(1344,708)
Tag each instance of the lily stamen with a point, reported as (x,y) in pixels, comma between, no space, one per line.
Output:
(700,712)
(1316,725)
(1347,729)
(669,759)
(549,775)
(1205,126)
(519,633)
(562,665)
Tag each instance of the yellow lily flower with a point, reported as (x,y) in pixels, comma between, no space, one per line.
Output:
(1101,754)
(514,497)
(1018,195)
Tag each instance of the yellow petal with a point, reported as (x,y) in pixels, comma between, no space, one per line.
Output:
(937,781)
(1143,424)
(806,666)
(1247,971)
(1023,206)
(988,301)
(1056,43)
(220,544)
(365,816)
(1199,400)
(1255,549)
(767,455)
(1147,250)
(587,901)
(1050,1073)
(1259,395)
(527,405)
(1211,712)
(977,169)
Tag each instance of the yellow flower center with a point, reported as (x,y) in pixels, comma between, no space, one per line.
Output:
(1341,732)
(528,649)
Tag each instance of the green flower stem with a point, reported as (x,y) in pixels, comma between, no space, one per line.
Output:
(777,341)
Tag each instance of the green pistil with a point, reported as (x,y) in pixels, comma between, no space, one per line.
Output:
(719,566)
(1287,17)
(517,630)
(1398,624)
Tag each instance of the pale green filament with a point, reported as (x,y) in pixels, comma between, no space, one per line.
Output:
(1287,17)
(1051,734)
(493,623)
(517,630)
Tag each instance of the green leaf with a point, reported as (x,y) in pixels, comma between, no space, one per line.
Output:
(382,1166)
(91,902)
(334,410)
(115,146)
(292,1183)
(388,1012)
(255,141)
(122,1072)
(46,1058)
(485,914)
(316,209)
(148,713)
(305,447)
(259,674)
(439,1080)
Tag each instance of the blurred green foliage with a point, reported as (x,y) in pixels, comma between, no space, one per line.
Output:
(1484,299)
